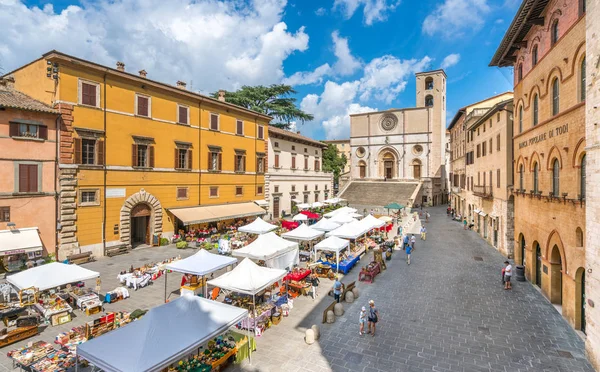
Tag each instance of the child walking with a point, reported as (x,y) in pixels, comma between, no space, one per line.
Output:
(362,320)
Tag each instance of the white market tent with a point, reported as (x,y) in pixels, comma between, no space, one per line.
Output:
(303,206)
(300,217)
(166,334)
(325,224)
(333,244)
(371,222)
(274,250)
(51,275)
(355,215)
(248,278)
(340,210)
(334,201)
(317,205)
(386,218)
(201,264)
(258,226)
(350,230)
(303,232)
(342,218)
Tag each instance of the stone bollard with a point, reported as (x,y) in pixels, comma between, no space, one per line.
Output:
(309,336)
(349,297)
(338,309)
(316,331)
(330,317)
(355,292)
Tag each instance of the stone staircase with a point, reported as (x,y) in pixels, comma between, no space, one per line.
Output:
(378,194)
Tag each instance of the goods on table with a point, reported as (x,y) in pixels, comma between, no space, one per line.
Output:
(118,294)
(216,353)
(26,356)
(55,361)
(54,308)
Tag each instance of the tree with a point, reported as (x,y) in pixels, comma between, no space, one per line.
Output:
(333,161)
(274,100)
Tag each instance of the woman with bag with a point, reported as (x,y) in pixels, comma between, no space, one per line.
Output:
(314,282)
(373,317)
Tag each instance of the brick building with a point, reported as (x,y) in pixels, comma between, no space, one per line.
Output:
(546,46)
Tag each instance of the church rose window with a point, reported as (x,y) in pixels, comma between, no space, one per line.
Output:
(389,122)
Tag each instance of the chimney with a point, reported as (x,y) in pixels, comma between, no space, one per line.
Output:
(181,84)
(120,66)
(143,73)
(222,95)
(7,83)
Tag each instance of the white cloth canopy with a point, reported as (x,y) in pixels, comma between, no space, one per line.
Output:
(333,243)
(340,210)
(342,218)
(385,218)
(52,275)
(303,232)
(300,217)
(317,205)
(248,278)
(274,250)
(355,215)
(163,336)
(18,241)
(303,206)
(325,224)
(258,226)
(201,263)
(350,230)
(371,222)
(334,200)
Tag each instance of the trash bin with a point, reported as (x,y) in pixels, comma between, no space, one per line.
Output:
(520,273)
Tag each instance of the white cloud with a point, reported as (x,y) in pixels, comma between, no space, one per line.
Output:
(346,63)
(454,17)
(450,60)
(321,12)
(217,44)
(373,10)
(308,77)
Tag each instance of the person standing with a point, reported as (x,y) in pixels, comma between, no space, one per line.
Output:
(373,317)
(362,320)
(507,275)
(406,242)
(427,215)
(409,250)
(314,282)
(413,240)
(423,232)
(337,289)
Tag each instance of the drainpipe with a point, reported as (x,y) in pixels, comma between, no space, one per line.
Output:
(56,182)
(104,172)
(199,151)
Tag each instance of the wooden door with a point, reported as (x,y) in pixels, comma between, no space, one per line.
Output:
(389,165)
(363,171)
(276,208)
(417,171)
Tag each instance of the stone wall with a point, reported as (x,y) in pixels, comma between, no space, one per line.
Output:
(67,238)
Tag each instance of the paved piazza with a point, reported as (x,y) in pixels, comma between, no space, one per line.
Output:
(444,312)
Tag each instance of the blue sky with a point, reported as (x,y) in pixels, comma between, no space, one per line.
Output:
(342,56)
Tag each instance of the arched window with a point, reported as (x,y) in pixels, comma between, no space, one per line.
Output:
(555,177)
(579,237)
(555,97)
(429,101)
(521,119)
(521,175)
(554,32)
(582,80)
(535,110)
(535,177)
(582,178)
(429,83)
(520,72)
(534,56)
(582,7)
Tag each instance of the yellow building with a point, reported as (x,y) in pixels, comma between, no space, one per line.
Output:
(135,152)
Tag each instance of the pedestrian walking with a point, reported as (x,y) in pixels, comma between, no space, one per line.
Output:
(373,317)
(406,242)
(362,320)
(409,250)
(507,275)
(337,289)
(413,240)
(314,282)
(399,230)
(423,233)
(427,215)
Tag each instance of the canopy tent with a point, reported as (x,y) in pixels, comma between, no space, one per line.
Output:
(248,278)
(317,205)
(52,275)
(342,218)
(303,206)
(274,250)
(258,226)
(371,222)
(310,215)
(334,244)
(19,241)
(211,213)
(340,210)
(385,219)
(262,203)
(325,224)
(334,201)
(350,230)
(163,336)
(394,206)
(355,215)
(300,217)
(303,232)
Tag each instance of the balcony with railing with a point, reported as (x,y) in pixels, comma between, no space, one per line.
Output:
(483,191)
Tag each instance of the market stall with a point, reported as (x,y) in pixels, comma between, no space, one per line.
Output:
(334,201)
(164,336)
(325,224)
(289,225)
(343,210)
(258,226)
(199,265)
(351,230)
(18,247)
(333,244)
(304,233)
(274,250)
(342,218)
(300,217)
(371,223)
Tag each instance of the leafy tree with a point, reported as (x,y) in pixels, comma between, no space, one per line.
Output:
(274,100)
(333,161)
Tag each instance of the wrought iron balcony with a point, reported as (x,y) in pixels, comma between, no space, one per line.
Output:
(483,191)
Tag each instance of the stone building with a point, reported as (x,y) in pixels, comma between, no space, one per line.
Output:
(545,44)
(404,144)
(591,276)
(295,173)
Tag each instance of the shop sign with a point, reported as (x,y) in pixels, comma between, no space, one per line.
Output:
(558,131)
(115,192)
(10,253)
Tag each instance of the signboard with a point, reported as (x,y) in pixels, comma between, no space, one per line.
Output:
(115,192)
(558,131)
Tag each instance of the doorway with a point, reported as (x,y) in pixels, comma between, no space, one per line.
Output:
(275,207)
(555,276)
(140,225)
(485,227)
(417,171)
(522,250)
(538,265)
(582,299)
(389,169)
(363,169)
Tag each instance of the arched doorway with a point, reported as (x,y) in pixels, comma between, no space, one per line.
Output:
(140,224)
(387,161)
(362,167)
(555,276)
(522,249)
(416,164)
(388,165)
(538,264)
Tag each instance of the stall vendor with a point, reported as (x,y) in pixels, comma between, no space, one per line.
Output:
(185,279)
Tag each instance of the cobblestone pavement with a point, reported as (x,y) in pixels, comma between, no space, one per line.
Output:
(444,312)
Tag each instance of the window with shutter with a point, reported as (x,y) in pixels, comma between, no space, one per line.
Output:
(239,128)
(151,156)
(259,190)
(182,193)
(261,132)
(143,106)
(293,162)
(182,115)
(4,214)
(276,161)
(498,178)
(28,178)
(88,94)
(498,143)
(214,122)
(88,151)
(306,162)
(239,191)
(214,191)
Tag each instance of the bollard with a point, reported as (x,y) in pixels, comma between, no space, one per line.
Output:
(317,331)
(338,309)
(309,336)
(330,317)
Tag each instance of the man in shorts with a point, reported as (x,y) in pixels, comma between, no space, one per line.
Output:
(507,275)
